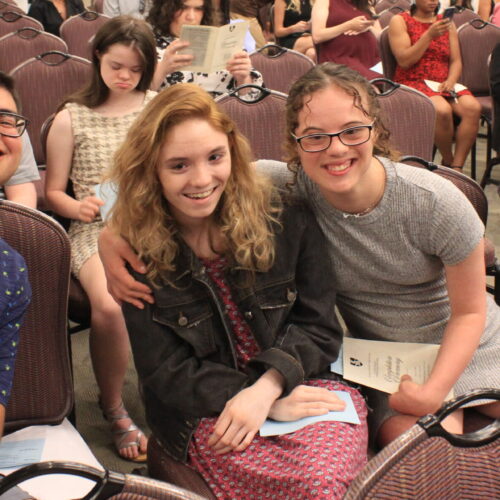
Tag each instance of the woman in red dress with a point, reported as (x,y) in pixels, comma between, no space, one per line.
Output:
(345,32)
(426,48)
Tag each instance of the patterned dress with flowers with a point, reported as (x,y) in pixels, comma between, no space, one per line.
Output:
(216,83)
(318,461)
(433,65)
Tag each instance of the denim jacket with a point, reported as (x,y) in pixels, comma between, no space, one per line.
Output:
(183,345)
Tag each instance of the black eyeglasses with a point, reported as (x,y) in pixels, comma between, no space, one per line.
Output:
(12,124)
(353,136)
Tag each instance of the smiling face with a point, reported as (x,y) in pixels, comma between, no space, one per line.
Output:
(10,147)
(191,13)
(194,167)
(121,68)
(339,170)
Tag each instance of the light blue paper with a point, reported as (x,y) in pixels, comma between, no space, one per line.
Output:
(349,414)
(338,365)
(19,453)
(107,192)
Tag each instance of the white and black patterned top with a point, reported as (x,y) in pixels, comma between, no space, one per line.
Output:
(216,83)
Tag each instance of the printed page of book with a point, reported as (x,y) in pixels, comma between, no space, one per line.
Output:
(380,364)
(230,39)
(202,45)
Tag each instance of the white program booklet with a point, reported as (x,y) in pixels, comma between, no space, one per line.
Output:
(380,364)
(458,87)
(212,46)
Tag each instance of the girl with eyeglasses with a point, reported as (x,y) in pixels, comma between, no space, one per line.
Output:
(84,136)
(406,267)
(243,326)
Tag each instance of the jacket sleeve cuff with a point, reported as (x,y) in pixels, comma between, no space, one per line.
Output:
(286,364)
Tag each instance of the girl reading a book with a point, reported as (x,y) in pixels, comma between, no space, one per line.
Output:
(406,267)
(243,325)
(426,47)
(166,18)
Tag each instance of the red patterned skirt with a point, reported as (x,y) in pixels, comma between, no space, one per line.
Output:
(318,461)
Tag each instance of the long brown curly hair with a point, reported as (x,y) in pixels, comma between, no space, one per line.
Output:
(247,209)
(354,84)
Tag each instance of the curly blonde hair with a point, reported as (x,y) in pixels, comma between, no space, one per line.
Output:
(321,77)
(246,210)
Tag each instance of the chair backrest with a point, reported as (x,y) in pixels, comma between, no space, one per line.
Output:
(10,6)
(463,16)
(409,116)
(279,66)
(25,43)
(42,392)
(109,485)
(388,14)
(268,108)
(468,186)
(427,462)
(389,62)
(11,21)
(78,30)
(387,4)
(43,82)
(477,40)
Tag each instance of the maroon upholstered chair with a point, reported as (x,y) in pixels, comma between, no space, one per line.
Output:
(43,82)
(11,21)
(20,45)
(279,66)
(161,466)
(108,484)
(250,116)
(463,16)
(409,116)
(429,463)
(389,62)
(382,5)
(388,14)
(477,197)
(42,391)
(10,6)
(77,31)
(477,40)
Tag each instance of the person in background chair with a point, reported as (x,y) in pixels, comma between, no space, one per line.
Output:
(15,291)
(52,13)
(135,8)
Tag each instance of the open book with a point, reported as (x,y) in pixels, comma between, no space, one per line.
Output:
(380,364)
(212,46)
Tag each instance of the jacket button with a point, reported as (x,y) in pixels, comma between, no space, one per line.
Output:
(182,321)
(290,295)
(248,315)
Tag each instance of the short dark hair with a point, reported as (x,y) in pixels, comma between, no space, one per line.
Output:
(7,83)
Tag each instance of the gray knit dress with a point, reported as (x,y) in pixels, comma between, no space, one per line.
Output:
(389,267)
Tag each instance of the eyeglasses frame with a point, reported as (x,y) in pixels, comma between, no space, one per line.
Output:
(10,113)
(369,126)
